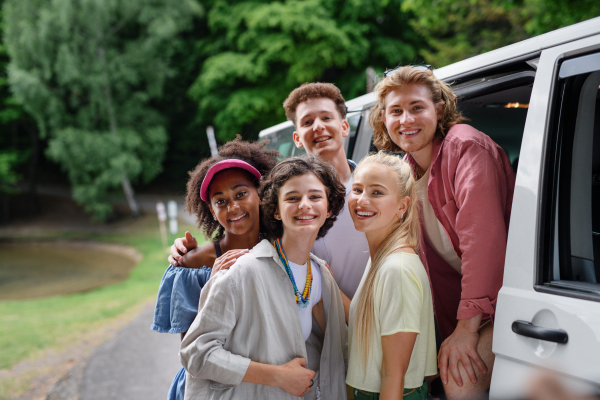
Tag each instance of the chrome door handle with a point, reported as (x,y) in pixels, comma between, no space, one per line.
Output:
(525,328)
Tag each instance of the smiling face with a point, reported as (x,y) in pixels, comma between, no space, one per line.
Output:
(374,202)
(302,206)
(234,201)
(411,118)
(320,128)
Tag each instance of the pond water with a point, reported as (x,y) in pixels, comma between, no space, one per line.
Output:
(33,270)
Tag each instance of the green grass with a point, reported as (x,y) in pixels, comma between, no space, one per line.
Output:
(30,326)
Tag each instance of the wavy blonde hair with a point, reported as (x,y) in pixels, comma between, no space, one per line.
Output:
(403,233)
(440,93)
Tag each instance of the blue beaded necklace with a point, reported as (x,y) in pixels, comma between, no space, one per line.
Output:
(302,299)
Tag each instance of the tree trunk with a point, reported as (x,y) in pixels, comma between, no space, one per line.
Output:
(125,183)
(128,190)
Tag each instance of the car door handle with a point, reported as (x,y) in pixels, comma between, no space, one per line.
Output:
(525,328)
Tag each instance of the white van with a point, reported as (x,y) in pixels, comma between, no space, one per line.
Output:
(540,100)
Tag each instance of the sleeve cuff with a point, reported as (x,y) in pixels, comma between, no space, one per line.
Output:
(226,368)
(473,307)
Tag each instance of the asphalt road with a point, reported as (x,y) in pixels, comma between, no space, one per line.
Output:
(136,364)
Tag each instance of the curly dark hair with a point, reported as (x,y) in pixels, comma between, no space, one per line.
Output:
(254,153)
(309,91)
(296,166)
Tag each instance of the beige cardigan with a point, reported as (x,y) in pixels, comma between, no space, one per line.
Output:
(249,313)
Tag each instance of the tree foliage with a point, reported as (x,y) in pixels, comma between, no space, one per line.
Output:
(10,112)
(8,176)
(548,15)
(87,71)
(112,84)
(258,51)
(457,29)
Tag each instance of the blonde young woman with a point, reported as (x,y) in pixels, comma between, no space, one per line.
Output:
(465,184)
(391,327)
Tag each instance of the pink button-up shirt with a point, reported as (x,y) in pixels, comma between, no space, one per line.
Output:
(470,188)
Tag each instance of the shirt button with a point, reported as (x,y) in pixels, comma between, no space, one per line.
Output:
(324,382)
(324,358)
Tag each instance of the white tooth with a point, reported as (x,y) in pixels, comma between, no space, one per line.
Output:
(410,132)
(365,214)
(304,218)
(238,218)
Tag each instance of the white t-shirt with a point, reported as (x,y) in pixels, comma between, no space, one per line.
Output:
(402,303)
(433,228)
(305,314)
(345,250)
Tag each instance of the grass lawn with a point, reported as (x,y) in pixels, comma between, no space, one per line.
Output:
(30,326)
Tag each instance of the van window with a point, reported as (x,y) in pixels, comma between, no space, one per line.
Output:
(570,258)
(283,142)
(501,116)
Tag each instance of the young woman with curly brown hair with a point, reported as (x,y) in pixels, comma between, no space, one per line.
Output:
(223,192)
(465,184)
(254,336)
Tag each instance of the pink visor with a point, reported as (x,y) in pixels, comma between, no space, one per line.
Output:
(220,166)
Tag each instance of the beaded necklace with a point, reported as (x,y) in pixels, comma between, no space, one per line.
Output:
(301,299)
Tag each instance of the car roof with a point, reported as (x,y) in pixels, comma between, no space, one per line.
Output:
(511,52)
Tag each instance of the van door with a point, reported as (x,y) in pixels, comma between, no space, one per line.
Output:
(548,310)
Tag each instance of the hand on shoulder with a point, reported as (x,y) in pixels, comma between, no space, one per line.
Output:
(227,260)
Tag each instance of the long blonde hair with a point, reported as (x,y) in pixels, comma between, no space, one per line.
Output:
(440,93)
(405,233)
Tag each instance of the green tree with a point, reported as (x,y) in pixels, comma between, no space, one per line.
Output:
(457,29)
(14,151)
(88,72)
(547,15)
(258,51)
(8,176)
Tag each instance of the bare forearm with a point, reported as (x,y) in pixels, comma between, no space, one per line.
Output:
(292,377)
(470,324)
(392,387)
(262,374)
(397,349)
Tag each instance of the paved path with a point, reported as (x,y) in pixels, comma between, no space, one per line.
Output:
(137,364)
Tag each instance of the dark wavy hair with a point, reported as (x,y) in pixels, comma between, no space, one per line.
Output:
(254,153)
(296,166)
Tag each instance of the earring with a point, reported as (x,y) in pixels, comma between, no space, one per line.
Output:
(214,217)
(402,216)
